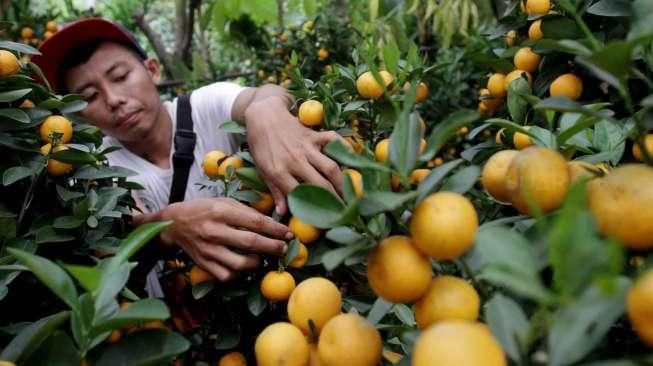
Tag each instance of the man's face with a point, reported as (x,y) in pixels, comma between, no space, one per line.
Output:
(120,89)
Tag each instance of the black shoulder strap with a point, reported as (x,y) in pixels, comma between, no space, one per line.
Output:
(183,157)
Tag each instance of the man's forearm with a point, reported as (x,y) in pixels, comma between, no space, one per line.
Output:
(275,95)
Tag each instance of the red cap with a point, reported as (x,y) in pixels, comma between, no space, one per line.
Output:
(56,48)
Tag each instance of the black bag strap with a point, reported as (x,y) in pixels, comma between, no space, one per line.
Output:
(183,157)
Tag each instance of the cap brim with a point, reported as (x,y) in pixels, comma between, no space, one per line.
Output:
(55,49)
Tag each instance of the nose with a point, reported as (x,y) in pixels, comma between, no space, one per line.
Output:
(114,98)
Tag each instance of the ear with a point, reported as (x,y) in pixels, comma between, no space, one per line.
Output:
(154,69)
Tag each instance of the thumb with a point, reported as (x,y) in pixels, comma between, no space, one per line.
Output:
(279,199)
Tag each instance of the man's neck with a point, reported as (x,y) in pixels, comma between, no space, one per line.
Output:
(155,146)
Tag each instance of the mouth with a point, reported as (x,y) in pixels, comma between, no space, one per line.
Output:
(127,120)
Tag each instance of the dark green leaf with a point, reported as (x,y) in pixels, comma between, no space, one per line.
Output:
(391,55)
(233,127)
(139,311)
(144,348)
(74,156)
(15,114)
(642,22)
(14,174)
(496,63)
(13,95)
(135,241)
(256,303)
(51,103)
(249,176)
(508,323)
(19,47)
(343,235)
(611,64)
(88,277)
(446,129)
(516,104)
(564,45)
(227,339)
(315,206)
(610,8)
(404,314)
(102,172)
(436,175)
(346,156)
(463,180)
(559,27)
(380,201)
(380,308)
(335,257)
(32,336)
(58,349)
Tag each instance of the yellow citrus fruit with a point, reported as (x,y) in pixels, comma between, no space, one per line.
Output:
(302,257)
(198,275)
(55,167)
(535,31)
(447,298)
(315,357)
(27,32)
(113,337)
(511,36)
(422,91)
(538,175)
(349,339)
(418,175)
(639,306)
(527,60)
(26,104)
(621,202)
(51,26)
(211,163)
(538,7)
(8,64)
(233,359)
(490,102)
(459,343)
(308,26)
(516,74)
(265,204)
(444,225)
(397,271)
(493,177)
(311,113)
(581,170)
(392,357)
(316,299)
(381,150)
(323,54)
(353,142)
(496,85)
(369,88)
(281,344)
(283,37)
(232,161)
(648,143)
(567,85)
(522,140)
(277,286)
(303,231)
(422,145)
(56,124)
(356,179)
(6,363)
(47,35)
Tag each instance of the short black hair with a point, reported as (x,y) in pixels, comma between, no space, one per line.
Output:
(81,54)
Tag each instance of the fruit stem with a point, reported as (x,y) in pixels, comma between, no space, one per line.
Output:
(581,23)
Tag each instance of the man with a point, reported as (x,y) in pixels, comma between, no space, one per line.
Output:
(102,61)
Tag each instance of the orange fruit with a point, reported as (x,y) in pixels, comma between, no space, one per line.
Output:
(198,275)
(381,150)
(493,177)
(418,175)
(233,359)
(567,85)
(516,74)
(496,85)
(52,26)
(358,148)
(490,102)
(621,202)
(316,299)
(26,104)
(281,344)
(47,35)
(301,258)
(581,170)
(538,175)
(397,271)
(59,125)
(8,64)
(265,204)
(323,54)
(422,91)
(538,7)
(356,179)
(648,143)
(311,113)
(444,225)
(277,286)
(447,298)
(511,36)
(459,343)
(55,167)
(369,88)
(233,161)
(349,339)
(114,336)
(535,31)
(211,163)
(27,33)
(303,232)
(527,60)
(522,140)
(639,306)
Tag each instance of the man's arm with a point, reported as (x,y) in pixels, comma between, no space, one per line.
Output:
(285,151)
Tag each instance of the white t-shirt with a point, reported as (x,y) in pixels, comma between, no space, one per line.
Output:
(211,107)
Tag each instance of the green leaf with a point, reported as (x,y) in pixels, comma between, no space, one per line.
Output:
(404,314)
(579,327)
(316,206)
(436,175)
(380,201)
(67,222)
(13,95)
(88,277)
(446,129)
(610,8)
(74,156)
(249,176)
(609,137)
(391,55)
(642,22)
(32,336)
(564,45)
(611,64)
(15,114)
(144,348)
(73,106)
(19,47)
(564,104)
(380,308)
(256,303)
(496,63)
(51,275)
(333,258)
(14,174)
(135,241)
(227,339)
(516,104)
(463,180)
(405,143)
(58,349)
(233,127)
(103,172)
(341,153)
(140,311)
(343,235)
(508,323)
(559,27)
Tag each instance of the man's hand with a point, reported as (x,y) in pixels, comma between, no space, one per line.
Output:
(209,230)
(286,152)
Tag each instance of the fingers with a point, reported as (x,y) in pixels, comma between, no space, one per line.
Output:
(248,218)
(328,168)
(215,269)
(279,200)
(323,138)
(255,243)
(229,259)
(285,182)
